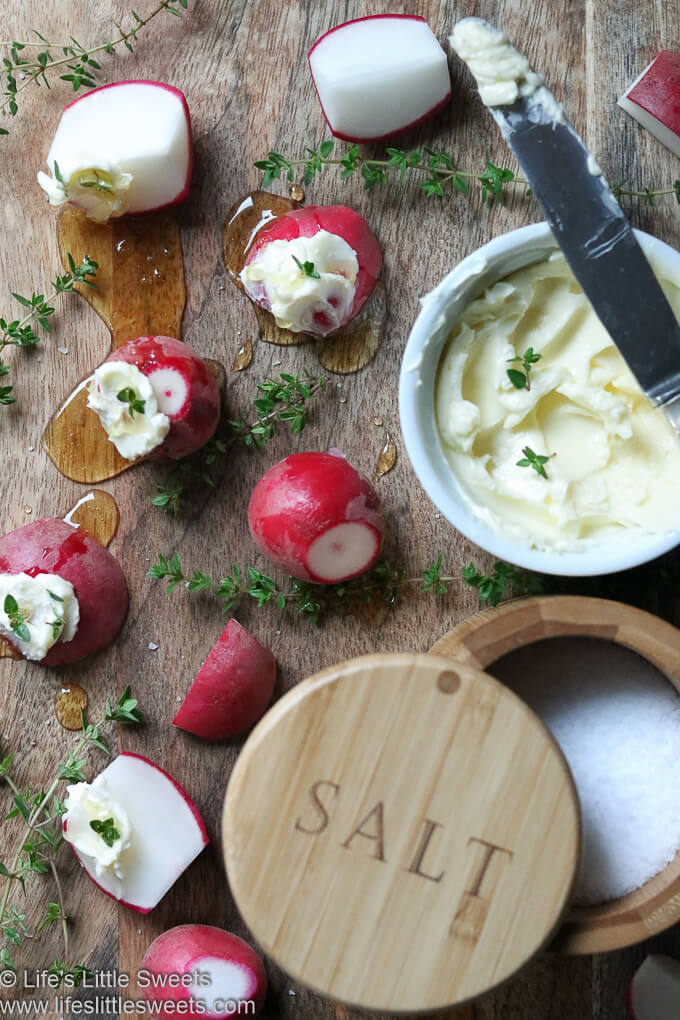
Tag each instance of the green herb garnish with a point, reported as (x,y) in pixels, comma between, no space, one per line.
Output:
(16,618)
(307,268)
(133,400)
(106,829)
(537,461)
(520,380)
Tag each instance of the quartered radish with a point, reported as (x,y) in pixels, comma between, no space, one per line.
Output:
(199,964)
(654,99)
(232,688)
(654,992)
(313,268)
(51,546)
(184,387)
(379,76)
(121,148)
(164,831)
(317,518)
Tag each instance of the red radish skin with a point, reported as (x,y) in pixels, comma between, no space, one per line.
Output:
(51,546)
(236,970)
(232,689)
(181,197)
(194,422)
(190,804)
(658,91)
(336,219)
(390,134)
(317,518)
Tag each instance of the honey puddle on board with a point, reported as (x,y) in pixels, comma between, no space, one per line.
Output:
(344,352)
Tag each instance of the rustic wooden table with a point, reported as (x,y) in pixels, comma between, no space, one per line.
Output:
(243,67)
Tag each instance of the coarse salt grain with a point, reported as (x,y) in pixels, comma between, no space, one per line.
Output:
(617,720)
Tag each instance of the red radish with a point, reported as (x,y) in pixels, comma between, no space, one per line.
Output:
(654,99)
(654,992)
(336,220)
(196,963)
(185,389)
(167,832)
(51,546)
(232,689)
(316,518)
(121,148)
(379,76)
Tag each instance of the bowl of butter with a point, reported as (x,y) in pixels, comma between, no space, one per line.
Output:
(523,422)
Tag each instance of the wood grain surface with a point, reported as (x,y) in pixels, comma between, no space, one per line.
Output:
(243,68)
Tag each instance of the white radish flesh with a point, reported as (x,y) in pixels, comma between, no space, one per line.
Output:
(343,551)
(167,833)
(379,76)
(172,391)
(654,992)
(138,133)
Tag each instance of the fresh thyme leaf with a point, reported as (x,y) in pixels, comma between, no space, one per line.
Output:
(521,380)
(537,461)
(307,268)
(432,577)
(518,379)
(130,397)
(17,620)
(106,829)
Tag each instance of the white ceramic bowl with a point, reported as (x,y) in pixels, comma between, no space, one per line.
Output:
(440,310)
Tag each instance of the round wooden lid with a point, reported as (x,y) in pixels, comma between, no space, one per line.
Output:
(401,833)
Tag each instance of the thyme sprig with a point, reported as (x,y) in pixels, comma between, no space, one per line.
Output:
(41,838)
(134,402)
(519,377)
(76,60)
(21,332)
(534,460)
(283,401)
(384,583)
(441,169)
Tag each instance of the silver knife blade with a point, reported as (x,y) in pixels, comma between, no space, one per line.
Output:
(597,240)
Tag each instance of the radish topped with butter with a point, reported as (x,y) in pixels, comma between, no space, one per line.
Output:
(317,518)
(122,148)
(379,76)
(313,268)
(134,830)
(62,595)
(154,395)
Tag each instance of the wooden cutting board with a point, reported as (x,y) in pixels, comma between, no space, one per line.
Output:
(242,65)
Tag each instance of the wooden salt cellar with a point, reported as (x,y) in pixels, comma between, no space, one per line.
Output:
(401,833)
(481,640)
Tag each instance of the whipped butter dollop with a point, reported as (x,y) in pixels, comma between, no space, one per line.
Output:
(135,427)
(92,802)
(36,612)
(614,460)
(101,191)
(298,300)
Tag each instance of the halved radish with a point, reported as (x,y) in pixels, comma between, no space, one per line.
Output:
(209,969)
(51,546)
(232,688)
(339,246)
(653,99)
(166,832)
(316,518)
(121,148)
(185,389)
(379,76)
(654,992)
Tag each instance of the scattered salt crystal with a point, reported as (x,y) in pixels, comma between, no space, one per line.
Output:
(153,647)
(63,350)
(178,698)
(291,991)
(617,720)
(31,449)
(278,632)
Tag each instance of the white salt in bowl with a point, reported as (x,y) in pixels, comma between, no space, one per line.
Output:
(440,310)
(486,638)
